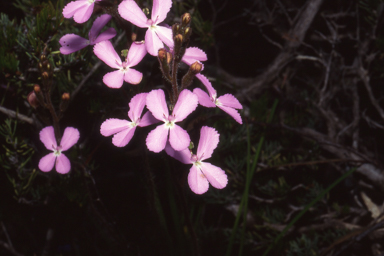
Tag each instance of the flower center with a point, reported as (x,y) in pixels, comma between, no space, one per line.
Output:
(91,1)
(125,66)
(56,150)
(170,121)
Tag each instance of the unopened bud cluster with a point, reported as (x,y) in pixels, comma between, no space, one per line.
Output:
(181,35)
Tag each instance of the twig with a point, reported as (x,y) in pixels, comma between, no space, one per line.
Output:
(16,115)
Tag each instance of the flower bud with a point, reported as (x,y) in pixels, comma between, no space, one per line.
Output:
(185,20)
(45,75)
(32,99)
(178,39)
(187,79)
(162,54)
(169,57)
(175,29)
(146,11)
(164,67)
(191,146)
(133,37)
(187,33)
(36,88)
(64,101)
(38,94)
(124,53)
(196,67)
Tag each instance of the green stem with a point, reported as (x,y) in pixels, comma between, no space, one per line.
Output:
(243,207)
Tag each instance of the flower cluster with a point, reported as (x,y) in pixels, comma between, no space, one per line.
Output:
(170,45)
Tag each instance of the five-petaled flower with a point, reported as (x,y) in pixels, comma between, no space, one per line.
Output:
(201,173)
(81,10)
(105,51)
(47,136)
(71,43)
(178,137)
(227,102)
(123,130)
(156,35)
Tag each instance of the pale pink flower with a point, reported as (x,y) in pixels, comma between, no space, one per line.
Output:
(201,173)
(178,137)
(105,51)
(228,103)
(71,43)
(81,10)
(47,136)
(193,54)
(123,130)
(156,35)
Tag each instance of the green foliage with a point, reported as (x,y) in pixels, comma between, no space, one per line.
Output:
(9,62)
(15,159)
(303,246)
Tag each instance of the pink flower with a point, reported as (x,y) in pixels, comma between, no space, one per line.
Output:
(105,51)
(155,35)
(71,43)
(47,136)
(178,137)
(228,103)
(81,10)
(201,173)
(123,130)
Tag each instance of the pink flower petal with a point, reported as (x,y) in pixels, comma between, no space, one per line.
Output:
(71,43)
(122,138)
(157,105)
(106,35)
(72,7)
(160,9)
(197,181)
(183,156)
(70,137)
(114,79)
(98,25)
(232,112)
(185,105)
(229,100)
(165,35)
(204,99)
(209,138)
(113,125)
(214,175)
(148,119)
(47,162)
(136,53)
(193,54)
(207,84)
(133,76)
(178,138)
(136,106)
(130,11)
(47,136)
(63,165)
(84,13)
(157,138)
(105,51)
(152,42)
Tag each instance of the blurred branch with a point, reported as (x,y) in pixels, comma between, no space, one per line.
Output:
(248,87)
(16,115)
(9,245)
